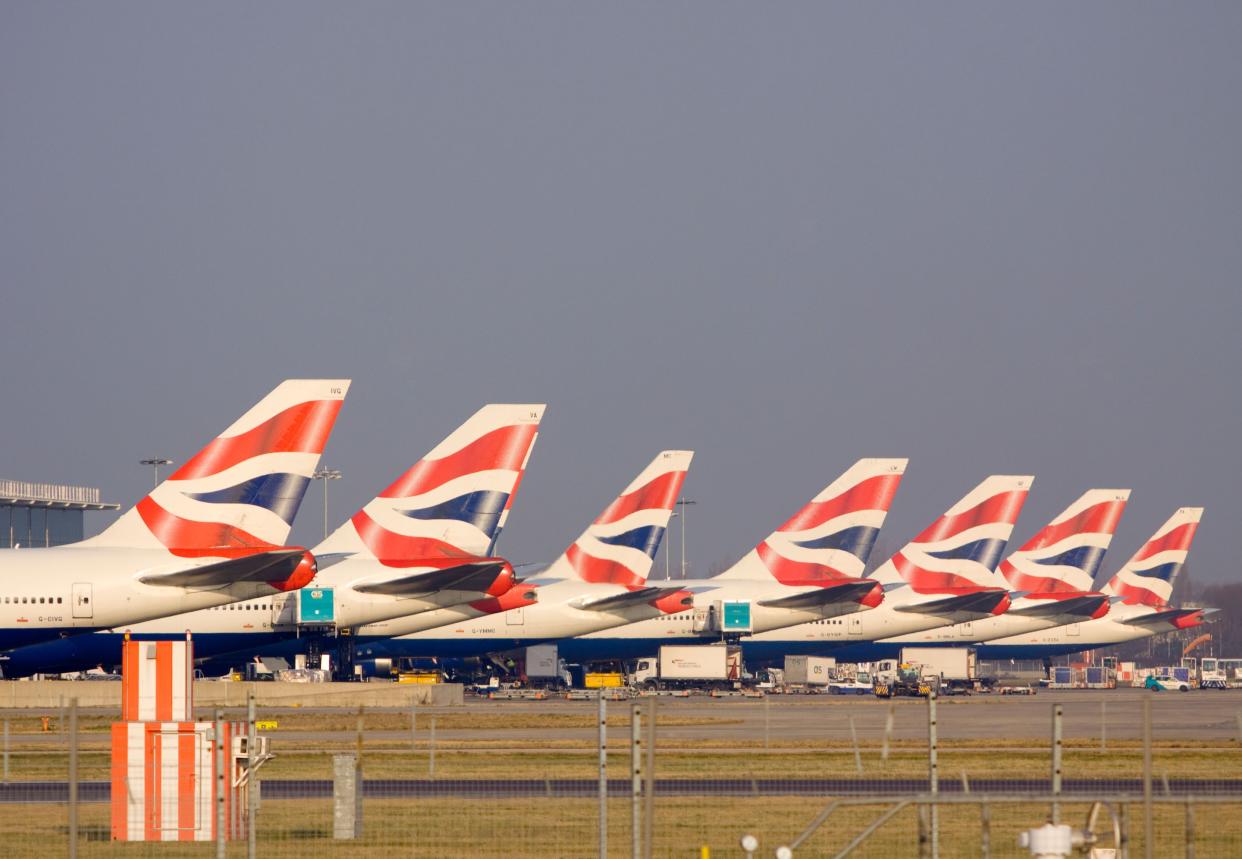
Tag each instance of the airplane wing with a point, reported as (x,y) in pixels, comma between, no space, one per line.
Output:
(964,606)
(849,591)
(479,576)
(274,566)
(1170,616)
(1074,608)
(630,598)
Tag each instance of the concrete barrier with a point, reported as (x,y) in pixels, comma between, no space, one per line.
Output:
(52,694)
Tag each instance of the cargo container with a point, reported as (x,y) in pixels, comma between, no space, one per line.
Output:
(808,670)
(541,661)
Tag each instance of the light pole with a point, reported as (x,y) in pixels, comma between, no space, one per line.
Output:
(683,503)
(326,474)
(155,462)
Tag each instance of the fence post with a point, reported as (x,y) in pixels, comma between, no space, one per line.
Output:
(222,785)
(1190,830)
(767,722)
(888,730)
(636,779)
(252,782)
(985,830)
(431,749)
(1056,762)
(1103,725)
(857,753)
(1149,826)
(933,772)
(649,774)
(603,776)
(6,751)
(73,777)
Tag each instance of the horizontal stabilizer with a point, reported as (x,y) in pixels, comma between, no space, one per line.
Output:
(275,566)
(962,606)
(630,598)
(1177,617)
(1072,608)
(479,576)
(846,591)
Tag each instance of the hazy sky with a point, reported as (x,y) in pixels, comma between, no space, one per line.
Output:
(989,237)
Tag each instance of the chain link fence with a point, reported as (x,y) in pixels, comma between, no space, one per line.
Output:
(1150,774)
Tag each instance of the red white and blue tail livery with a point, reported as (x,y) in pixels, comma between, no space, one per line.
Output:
(454,501)
(243,489)
(831,537)
(1147,578)
(1065,555)
(211,534)
(620,546)
(597,583)
(958,553)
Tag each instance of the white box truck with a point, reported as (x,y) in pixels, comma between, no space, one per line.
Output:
(686,666)
(955,667)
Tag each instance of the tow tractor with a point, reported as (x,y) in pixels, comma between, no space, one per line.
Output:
(900,679)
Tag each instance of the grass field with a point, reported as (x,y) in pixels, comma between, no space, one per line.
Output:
(560,745)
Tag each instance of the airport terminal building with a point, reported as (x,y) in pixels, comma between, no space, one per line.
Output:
(44,514)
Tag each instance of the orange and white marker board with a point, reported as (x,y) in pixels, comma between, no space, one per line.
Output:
(157,681)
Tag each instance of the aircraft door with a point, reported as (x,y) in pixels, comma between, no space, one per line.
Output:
(82,606)
(515,617)
(1072,629)
(855,625)
(283,610)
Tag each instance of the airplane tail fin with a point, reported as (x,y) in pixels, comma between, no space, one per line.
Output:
(620,546)
(243,489)
(959,551)
(1066,553)
(832,536)
(454,501)
(1147,578)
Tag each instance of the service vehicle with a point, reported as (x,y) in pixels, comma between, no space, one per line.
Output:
(895,679)
(689,666)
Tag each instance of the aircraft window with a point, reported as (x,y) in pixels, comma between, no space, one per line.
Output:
(40,600)
(60,600)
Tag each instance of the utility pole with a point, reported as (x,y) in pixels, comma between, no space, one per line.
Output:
(326,474)
(683,503)
(155,462)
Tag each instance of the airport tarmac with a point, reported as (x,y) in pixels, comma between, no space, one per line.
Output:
(1197,716)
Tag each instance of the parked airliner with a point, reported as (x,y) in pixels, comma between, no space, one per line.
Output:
(211,534)
(423,543)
